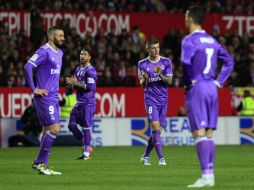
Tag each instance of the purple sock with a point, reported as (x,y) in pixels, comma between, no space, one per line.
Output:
(157,143)
(211,154)
(203,153)
(87,139)
(42,138)
(75,131)
(46,144)
(149,147)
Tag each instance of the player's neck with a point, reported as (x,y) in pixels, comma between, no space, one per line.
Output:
(85,64)
(53,46)
(154,59)
(194,27)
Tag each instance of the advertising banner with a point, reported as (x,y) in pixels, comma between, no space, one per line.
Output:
(135,131)
(110,102)
(151,24)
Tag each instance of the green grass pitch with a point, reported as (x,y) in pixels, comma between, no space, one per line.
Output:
(119,168)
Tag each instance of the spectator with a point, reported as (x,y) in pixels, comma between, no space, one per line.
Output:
(246,106)
(67,103)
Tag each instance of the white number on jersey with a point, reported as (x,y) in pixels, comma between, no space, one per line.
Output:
(150,110)
(51,110)
(209,53)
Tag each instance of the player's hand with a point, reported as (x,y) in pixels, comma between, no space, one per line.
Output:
(145,75)
(217,84)
(41,92)
(158,70)
(70,80)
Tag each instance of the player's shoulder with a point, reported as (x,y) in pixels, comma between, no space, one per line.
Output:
(165,59)
(91,69)
(43,49)
(142,62)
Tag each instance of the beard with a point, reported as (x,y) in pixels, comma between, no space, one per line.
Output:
(58,43)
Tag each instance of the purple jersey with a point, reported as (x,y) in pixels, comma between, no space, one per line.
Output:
(48,64)
(200,53)
(88,76)
(199,57)
(156,92)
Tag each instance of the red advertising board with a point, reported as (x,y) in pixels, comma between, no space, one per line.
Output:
(150,23)
(111,102)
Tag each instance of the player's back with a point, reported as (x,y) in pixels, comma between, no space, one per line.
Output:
(200,52)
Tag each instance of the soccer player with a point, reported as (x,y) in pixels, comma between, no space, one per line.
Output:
(47,61)
(155,75)
(199,56)
(84,80)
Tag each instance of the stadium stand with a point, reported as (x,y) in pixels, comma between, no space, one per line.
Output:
(115,55)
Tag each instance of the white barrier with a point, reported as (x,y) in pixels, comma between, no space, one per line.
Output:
(135,131)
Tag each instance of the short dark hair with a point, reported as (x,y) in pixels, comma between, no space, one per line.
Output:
(152,41)
(87,49)
(196,13)
(53,29)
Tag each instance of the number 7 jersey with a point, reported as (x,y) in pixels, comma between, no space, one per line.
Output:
(199,56)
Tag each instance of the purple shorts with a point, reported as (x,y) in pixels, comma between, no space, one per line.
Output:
(202,105)
(157,113)
(83,115)
(47,110)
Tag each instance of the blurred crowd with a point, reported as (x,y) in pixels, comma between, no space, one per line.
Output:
(213,6)
(115,56)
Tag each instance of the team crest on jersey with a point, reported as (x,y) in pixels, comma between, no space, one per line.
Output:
(34,57)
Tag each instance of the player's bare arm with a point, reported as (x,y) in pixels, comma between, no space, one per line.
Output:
(73,81)
(166,79)
(144,80)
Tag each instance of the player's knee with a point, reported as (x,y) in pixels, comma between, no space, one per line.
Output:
(55,128)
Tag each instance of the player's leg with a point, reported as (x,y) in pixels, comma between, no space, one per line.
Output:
(154,119)
(211,145)
(87,121)
(149,147)
(197,113)
(73,124)
(163,109)
(212,125)
(49,117)
(150,144)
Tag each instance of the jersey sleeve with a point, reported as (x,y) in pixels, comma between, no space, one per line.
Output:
(227,67)
(188,51)
(91,77)
(168,68)
(140,71)
(91,80)
(38,58)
